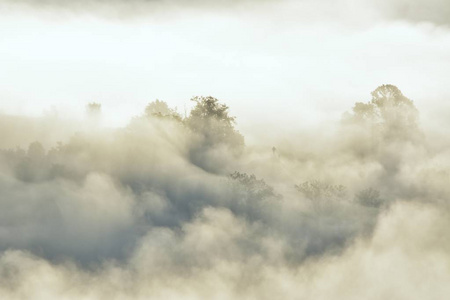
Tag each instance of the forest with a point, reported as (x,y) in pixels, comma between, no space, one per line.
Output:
(179,206)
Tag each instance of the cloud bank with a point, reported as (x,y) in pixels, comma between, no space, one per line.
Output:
(173,207)
(433,11)
(418,265)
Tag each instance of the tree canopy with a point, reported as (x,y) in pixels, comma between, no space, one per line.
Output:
(211,119)
(255,188)
(390,112)
(160,109)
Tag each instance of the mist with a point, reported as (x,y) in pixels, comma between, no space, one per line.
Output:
(171,206)
(224,150)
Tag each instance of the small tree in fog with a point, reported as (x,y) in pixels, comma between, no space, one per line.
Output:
(160,109)
(36,151)
(316,190)
(211,119)
(255,188)
(390,113)
(321,193)
(94,109)
(34,166)
(94,112)
(369,197)
(251,197)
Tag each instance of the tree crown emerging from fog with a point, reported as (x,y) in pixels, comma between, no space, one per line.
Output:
(391,115)
(160,109)
(211,119)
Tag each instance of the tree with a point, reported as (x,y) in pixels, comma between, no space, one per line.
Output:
(369,197)
(317,190)
(390,113)
(321,194)
(212,120)
(34,166)
(94,109)
(254,188)
(251,197)
(36,151)
(160,109)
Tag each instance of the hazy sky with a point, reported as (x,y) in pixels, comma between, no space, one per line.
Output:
(270,61)
(164,209)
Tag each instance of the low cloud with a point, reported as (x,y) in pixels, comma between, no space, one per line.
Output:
(433,11)
(170,207)
(205,260)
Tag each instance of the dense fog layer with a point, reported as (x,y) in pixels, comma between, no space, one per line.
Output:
(434,11)
(177,205)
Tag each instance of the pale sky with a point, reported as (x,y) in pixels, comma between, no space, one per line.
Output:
(274,62)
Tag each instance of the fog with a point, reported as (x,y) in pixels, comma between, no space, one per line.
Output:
(224,149)
(174,207)
(436,11)
(317,57)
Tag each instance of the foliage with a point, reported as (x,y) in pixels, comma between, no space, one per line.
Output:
(36,151)
(93,109)
(369,197)
(160,109)
(390,113)
(318,190)
(254,188)
(323,196)
(212,120)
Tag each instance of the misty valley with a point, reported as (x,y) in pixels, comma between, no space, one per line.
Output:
(180,206)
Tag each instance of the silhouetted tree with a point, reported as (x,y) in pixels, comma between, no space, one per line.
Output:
(34,166)
(251,197)
(160,109)
(390,113)
(253,187)
(211,119)
(321,193)
(94,112)
(94,109)
(36,151)
(369,197)
(317,190)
